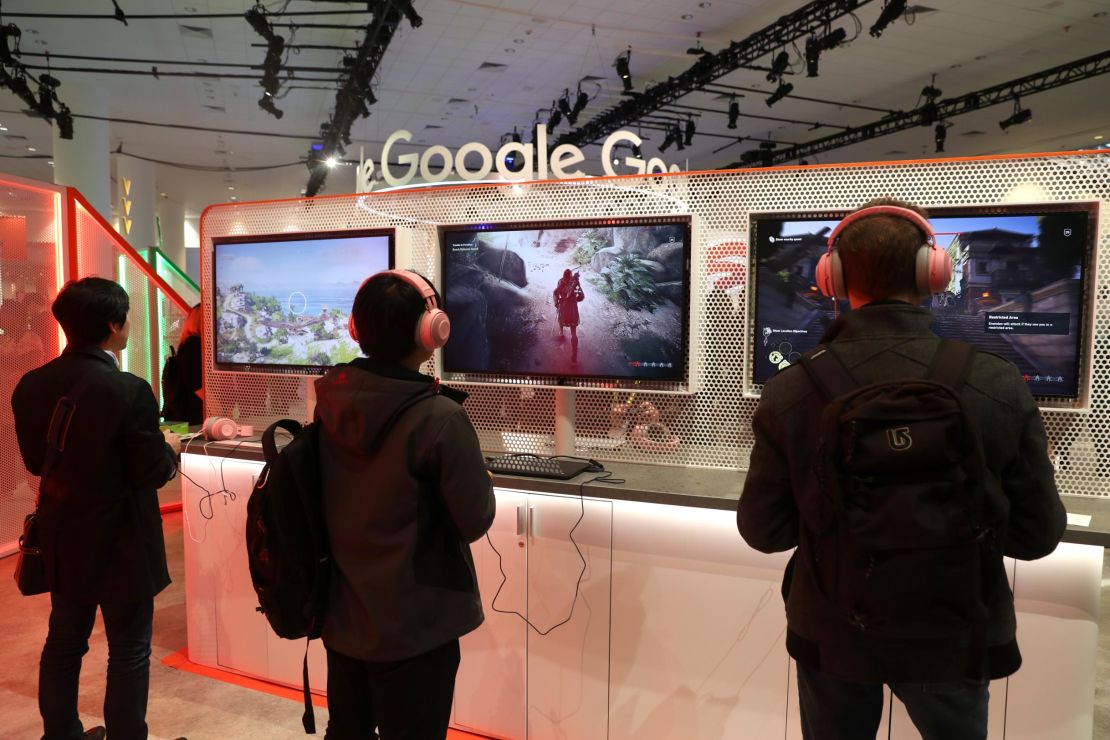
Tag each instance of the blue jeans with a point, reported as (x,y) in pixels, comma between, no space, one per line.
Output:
(128,628)
(837,710)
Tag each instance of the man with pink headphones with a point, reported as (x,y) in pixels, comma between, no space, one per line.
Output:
(405,492)
(883,259)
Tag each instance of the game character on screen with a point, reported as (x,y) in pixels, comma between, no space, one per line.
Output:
(899,526)
(405,492)
(101,530)
(567,295)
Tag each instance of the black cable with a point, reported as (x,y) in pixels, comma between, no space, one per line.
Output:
(182,63)
(604,476)
(165,73)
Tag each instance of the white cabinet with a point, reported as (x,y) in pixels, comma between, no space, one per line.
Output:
(551,679)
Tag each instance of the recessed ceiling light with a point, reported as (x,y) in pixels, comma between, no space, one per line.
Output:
(235,197)
(230,187)
(706,4)
(162,194)
(31,149)
(1098,138)
(51,163)
(687,16)
(3,128)
(518,41)
(510,50)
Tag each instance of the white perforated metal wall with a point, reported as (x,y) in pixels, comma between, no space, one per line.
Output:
(713,424)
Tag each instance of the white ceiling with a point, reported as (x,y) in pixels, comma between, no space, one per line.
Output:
(546,47)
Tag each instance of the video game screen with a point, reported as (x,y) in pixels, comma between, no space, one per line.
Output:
(283,300)
(1018,287)
(604,299)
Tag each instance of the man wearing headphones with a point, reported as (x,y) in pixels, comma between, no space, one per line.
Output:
(883,259)
(405,491)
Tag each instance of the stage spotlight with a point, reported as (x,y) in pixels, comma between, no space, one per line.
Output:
(668,140)
(555,118)
(515,136)
(266,103)
(1020,116)
(784,89)
(940,135)
(623,70)
(565,109)
(64,120)
(9,33)
(679,139)
(119,14)
(891,11)
(816,45)
(256,17)
(691,129)
(580,103)
(778,66)
(331,162)
(733,114)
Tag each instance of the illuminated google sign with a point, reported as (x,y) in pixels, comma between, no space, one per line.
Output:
(532,161)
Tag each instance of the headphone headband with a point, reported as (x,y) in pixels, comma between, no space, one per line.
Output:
(904,213)
(422,286)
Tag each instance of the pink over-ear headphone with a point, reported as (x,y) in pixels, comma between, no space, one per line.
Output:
(433,329)
(934,265)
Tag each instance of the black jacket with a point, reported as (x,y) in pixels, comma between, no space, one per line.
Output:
(405,491)
(98,514)
(881,342)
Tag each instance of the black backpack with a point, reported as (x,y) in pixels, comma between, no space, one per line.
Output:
(907,504)
(287,542)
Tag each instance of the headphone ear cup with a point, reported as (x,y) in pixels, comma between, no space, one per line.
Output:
(433,330)
(351,328)
(830,276)
(218,428)
(934,270)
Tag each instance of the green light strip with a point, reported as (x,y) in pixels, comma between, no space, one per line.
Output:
(174,269)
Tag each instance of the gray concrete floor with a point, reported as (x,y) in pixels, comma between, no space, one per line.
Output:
(200,708)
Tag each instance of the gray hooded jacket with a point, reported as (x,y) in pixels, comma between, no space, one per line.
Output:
(405,491)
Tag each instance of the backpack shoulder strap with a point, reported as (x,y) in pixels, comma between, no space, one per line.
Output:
(828,372)
(951,363)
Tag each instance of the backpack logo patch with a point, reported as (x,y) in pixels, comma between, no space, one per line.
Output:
(899,438)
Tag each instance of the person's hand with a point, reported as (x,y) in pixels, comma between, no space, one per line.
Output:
(172,440)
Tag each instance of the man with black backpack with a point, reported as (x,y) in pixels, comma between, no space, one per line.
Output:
(903,469)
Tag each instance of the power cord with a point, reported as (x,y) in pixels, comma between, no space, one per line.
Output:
(604,476)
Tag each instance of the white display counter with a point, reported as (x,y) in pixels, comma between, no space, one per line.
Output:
(677,629)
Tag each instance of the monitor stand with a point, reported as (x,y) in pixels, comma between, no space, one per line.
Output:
(564,421)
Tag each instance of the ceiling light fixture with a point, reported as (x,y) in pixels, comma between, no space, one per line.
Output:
(815,45)
(784,89)
(778,66)
(733,113)
(940,134)
(891,11)
(1019,116)
(691,129)
(623,69)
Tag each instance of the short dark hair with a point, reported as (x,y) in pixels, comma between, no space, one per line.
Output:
(87,306)
(879,253)
(385,313)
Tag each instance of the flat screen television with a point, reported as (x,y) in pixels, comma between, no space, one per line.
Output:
(568,300)
(1020,287)
(281,302)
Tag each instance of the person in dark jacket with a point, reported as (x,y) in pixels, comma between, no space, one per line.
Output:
(101,530)
(887,335)
(183,400)
(405,491)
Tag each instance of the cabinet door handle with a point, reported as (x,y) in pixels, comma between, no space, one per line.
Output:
(532,516)
(521,520)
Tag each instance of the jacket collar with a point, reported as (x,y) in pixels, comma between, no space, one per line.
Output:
(882,319)
(400,372)
(92,351)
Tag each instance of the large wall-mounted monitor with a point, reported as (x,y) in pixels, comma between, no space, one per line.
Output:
(281,302)
(1020,289)
(566,301)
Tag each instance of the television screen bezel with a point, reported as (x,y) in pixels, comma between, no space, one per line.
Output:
(292,236)
(1085,316)
(682,372)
